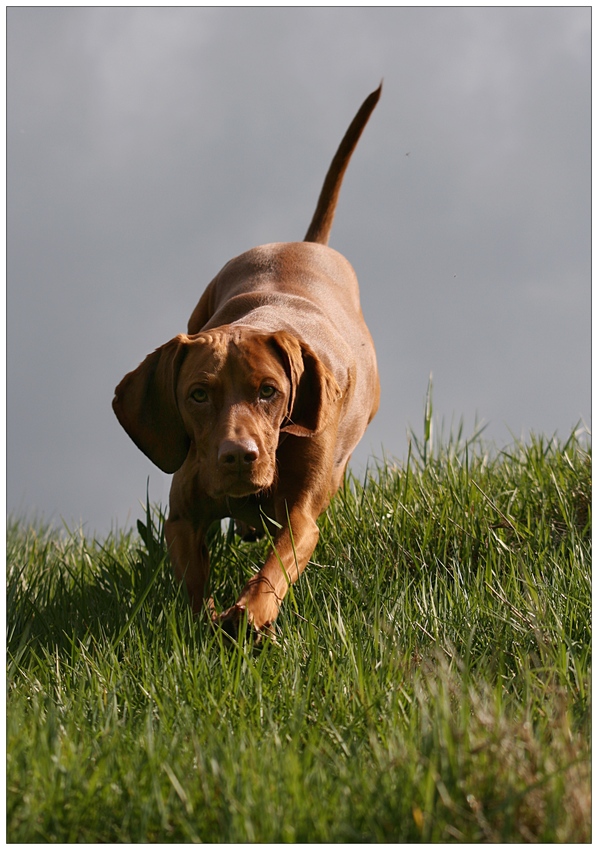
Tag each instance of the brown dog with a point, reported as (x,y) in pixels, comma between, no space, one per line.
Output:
(257,409)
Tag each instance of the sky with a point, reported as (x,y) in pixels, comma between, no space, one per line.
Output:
(147,146)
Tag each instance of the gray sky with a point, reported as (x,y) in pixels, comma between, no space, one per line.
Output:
(148,146)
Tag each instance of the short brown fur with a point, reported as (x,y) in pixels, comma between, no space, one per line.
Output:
(258,408)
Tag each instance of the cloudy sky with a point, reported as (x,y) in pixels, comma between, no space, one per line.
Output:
(148,146)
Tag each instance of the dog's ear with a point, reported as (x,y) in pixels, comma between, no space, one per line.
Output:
(314,390)
(145,405)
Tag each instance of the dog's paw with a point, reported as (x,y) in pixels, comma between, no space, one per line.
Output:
(233,622)
(248,533)
(236,623)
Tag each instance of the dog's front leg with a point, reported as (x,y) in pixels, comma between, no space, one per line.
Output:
(190,558)
(262,596)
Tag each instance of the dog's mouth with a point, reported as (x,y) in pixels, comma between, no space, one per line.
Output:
(239,485)
(239,489)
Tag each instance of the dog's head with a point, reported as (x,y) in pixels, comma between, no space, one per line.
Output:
(229,393)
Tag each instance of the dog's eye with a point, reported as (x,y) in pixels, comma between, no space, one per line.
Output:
(199,395)
(267,391)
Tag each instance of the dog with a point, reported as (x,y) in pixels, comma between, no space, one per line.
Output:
(258,407)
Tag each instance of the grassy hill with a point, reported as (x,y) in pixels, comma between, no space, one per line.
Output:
(430,680)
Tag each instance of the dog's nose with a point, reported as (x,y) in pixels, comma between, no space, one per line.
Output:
(237,453)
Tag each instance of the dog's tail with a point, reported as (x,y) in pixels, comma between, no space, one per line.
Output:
(321,223)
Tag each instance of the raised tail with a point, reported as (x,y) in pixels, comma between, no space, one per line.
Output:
(321,223)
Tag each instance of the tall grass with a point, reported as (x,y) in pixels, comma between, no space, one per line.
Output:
(430,679)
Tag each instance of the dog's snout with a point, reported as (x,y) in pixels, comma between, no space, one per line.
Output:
(237,453)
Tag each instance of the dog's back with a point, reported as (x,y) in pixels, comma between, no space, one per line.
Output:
(311,291)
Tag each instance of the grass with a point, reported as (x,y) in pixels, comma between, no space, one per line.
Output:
(431,680)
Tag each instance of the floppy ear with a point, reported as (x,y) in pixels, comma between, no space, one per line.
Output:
(314,390)
(145,405)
